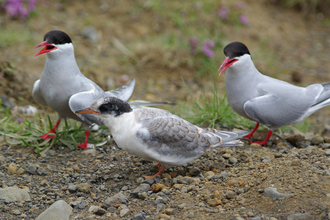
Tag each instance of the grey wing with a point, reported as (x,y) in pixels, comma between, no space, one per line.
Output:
(229,138)
(84,99)
(124,92)
(174,136)
(36,94)
(281,108)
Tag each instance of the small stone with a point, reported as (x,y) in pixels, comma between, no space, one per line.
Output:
(226,156)
(250,214)
(139,216)
(230,194)
(12,168)
(160,207)
(214,202)
(317,139)
(164,216)
(116,199)
(44,183)
(272,193)
(256,218)
(295,139)
(191,215)
(143,195)
(123,212)
(20,171)
(157,187)
(58,210)
(209,174)
(31,169)
(72,187)
(327,152)
(84,187)
(182,205)
(169,211)
(16,212)
(90,151)
(232,160)
(96,210)
(238,218)
(143,187)
(299,216)
(194,171)
(14,194)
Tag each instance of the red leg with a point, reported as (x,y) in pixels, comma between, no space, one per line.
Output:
(159,165)
(84,145)
(251,134)
(270,132)
(46,136)
(161,169)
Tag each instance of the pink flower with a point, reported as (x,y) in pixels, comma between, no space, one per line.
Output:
(244,19)
(207,45)
(239,5)
(224,12)
(19,120)
(193,41)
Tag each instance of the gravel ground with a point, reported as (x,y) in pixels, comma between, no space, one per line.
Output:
(283,180)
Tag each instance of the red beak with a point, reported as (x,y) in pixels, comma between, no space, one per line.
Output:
(86,111)
(226,63)
(46,49)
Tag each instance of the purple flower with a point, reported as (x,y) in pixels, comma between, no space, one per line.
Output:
(16,8)
(32,4)
(207,45)
(224,12)
(193,41)
(239,5)
(244,19)
(19,120)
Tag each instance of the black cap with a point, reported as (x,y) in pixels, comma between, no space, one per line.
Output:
(235,49)
(57,37)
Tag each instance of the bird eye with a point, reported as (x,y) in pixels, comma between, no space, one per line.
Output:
(104,108)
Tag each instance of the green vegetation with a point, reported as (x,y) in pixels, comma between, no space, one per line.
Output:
(26,132)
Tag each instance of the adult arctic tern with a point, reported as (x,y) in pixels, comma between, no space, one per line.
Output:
(65,89)
(266,100)
(156,134)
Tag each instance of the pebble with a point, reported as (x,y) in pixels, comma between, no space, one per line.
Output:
(124,212)
(327,152)
(84,187)
(90,151)
(250,214)
(143,195)
(317,139)
(255,218)
(59,210)
(160,207)
(182,205)
(118,198)
(191,215)
(164,216)
(20,171)
(169,211)
(299,216)
(209,174)
(72,187)
(139,216)
(272,193)
(12,168)
(232,160)
(226,156)
(14,194)
(230,194)
(157,187)
(96,210)
(143,187)
(31,169)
